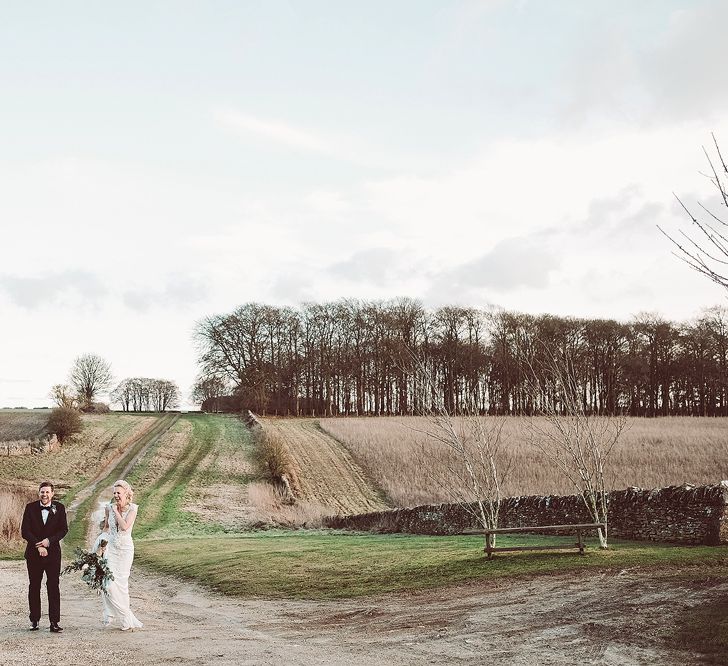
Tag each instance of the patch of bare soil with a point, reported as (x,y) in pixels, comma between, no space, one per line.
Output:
(615,618)
(329,476)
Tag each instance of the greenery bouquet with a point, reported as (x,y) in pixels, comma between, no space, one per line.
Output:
(94,569)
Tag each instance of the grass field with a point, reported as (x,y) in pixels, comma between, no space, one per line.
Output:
(193,475)
(321,565)
(193,483)
(69,468)
(19,424)
(652,453)
(176,534)
(79,457)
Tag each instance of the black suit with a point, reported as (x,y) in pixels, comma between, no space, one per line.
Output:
(34,530)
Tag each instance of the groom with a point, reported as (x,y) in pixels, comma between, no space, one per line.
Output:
(44,525)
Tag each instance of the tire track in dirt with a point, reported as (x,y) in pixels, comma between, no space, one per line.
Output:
(328,474)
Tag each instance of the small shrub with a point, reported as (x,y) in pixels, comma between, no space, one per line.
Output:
(97,408)
(64,422)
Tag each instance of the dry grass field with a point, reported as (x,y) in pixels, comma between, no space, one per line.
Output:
(12,505)
(651,453)
(103,437)
(328,475)
(18,424)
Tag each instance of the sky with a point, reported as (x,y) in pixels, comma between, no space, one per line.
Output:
(164,161)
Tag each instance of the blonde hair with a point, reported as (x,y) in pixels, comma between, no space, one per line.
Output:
(127,488)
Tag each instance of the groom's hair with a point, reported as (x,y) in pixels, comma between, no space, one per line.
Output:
(47,483)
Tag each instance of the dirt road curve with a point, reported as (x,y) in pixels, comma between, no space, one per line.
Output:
(329,476)
(609,618)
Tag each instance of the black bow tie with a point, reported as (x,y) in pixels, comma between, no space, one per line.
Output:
(45,508)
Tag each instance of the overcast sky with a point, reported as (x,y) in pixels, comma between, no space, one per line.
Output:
(163,161)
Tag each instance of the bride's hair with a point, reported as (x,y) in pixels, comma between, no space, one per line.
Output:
(129,491)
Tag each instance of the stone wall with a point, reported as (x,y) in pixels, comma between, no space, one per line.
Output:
(26,447)
(680,514)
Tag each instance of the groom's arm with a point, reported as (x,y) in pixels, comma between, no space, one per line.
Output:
(25,527)
(61,525)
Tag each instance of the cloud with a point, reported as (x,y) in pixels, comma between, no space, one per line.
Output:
(276,131)
(378,265)
(179,292)
(683,73)
(293,288)
(660,73)
(69,288)
(511,264)
(340,146)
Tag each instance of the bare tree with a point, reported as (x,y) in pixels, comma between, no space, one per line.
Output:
(207,392)
(706,249)
(575,440)
(164,394)
(90,375)
(477,464)
(64,396)
(122,394)
(142,394)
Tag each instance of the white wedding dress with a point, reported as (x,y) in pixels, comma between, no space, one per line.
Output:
(119,556)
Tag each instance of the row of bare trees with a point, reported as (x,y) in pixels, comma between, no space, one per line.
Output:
(142,394)
(352,357)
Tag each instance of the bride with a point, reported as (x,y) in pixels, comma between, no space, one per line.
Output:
(119,518)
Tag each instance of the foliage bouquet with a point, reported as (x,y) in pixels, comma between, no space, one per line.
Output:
(94,569)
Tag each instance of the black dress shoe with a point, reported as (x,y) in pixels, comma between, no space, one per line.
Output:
(34,626)
(55,628)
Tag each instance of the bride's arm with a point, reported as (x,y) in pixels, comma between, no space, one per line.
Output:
(125,524)
(105,528)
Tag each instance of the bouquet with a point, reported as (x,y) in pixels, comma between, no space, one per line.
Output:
(94,569)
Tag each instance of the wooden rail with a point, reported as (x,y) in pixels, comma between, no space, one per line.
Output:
(578,528)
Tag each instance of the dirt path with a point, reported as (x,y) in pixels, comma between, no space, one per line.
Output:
(329,476)
(149,435)
(613,618)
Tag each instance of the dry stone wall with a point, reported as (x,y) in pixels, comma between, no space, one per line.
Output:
(680,514)
(26,447)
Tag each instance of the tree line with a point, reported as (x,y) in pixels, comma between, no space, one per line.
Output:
(353,357)
(142,394)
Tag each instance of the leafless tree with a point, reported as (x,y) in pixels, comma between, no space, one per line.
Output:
(575,440)
(164,394)
(705,250)
(142,394)
(122,395)
(207,392)
(90,375)
(64,396)
(477,463)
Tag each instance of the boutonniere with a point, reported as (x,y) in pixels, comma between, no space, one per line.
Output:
(53,509)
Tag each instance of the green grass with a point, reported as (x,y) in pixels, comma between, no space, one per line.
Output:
(329,565)
(77,528)
(332,565)
(161,503)
(201,464)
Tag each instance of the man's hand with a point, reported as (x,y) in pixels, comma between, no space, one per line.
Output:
(45,543)
(42,551)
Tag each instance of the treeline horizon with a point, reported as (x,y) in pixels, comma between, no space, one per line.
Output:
(351,357)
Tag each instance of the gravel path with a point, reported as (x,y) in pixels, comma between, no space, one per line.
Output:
(602,618)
